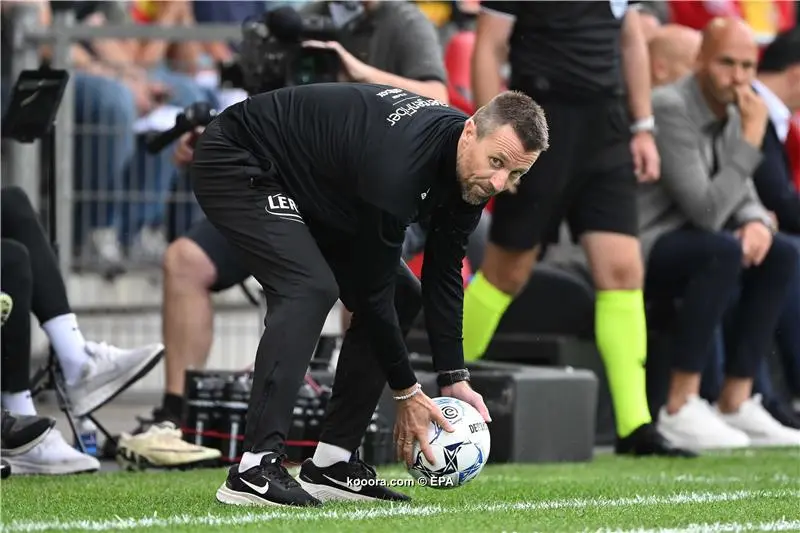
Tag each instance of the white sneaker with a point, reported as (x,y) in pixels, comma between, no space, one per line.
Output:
(697,427)
(109,371)
(53,456)
(162,446)
(758,424)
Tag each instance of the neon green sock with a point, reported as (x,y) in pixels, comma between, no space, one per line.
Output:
(484,305)
(621,335)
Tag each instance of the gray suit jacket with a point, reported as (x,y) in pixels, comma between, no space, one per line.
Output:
(688,193)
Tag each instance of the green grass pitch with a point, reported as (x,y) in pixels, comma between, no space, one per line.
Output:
(735,491)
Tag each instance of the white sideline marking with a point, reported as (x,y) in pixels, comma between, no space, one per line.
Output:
(777,525)
(400,510)
(712,480)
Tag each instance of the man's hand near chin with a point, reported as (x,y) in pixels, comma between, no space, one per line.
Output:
(462,391)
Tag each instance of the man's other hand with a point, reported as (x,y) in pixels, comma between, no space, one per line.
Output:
(646,161)
(414,416)
(465,393)
(756,241)
(184,151)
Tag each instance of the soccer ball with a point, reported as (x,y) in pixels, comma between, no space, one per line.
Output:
(460,455)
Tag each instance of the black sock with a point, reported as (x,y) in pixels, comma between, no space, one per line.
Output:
(173,406)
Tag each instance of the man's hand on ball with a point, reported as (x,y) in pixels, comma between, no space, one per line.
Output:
(462,391)
(414,416)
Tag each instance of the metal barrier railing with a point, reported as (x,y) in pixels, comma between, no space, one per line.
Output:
(23,162)
(126,312)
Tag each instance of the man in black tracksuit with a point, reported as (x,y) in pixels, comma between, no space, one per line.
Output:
(314,186)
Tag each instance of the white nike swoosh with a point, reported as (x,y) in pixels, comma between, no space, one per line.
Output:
(261,490)
(354,488)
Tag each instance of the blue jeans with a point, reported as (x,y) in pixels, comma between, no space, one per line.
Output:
(151,177)
(104,145)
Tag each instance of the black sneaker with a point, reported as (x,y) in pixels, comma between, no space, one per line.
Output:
(5,469)
(353,480)
(647,441)
(266,484)
(22,433)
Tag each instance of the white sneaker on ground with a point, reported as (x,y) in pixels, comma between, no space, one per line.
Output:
(53,456)
(162,446)
(109,371)
(754,420)
(696,426)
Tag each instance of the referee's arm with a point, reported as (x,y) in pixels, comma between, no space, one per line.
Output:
(636,66)
(380,242)
(492,32)
(442,284)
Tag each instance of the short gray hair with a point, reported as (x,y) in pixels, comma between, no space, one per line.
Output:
(518,110)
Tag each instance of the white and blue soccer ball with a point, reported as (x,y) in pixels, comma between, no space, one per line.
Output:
(459,456)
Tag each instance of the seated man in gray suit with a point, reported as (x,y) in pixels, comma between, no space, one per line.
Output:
(706,238)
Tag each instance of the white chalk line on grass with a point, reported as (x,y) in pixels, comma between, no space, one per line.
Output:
(392,511)
(656,478)
(663,477)
(727,527)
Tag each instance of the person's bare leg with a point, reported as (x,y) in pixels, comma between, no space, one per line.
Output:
(508,270)
(345,316)
(682,386)
(188,316)
(502,276)
(735,391)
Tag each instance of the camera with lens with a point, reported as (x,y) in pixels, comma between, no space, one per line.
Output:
(272,55)
(198,114)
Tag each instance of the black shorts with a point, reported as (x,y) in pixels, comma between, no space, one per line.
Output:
(586,177)
(227,263)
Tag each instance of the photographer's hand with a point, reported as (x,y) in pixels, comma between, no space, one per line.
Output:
(184,151)
(354,68)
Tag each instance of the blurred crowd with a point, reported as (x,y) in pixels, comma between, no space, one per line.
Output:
(123,198)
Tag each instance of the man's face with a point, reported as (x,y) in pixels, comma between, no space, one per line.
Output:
(490,165)
(727,65)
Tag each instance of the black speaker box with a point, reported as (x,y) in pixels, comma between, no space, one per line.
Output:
(539,414)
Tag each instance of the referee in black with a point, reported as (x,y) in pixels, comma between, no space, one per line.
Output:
(314,186)
(587,64)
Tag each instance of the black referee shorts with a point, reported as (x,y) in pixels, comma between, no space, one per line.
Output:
(586,177)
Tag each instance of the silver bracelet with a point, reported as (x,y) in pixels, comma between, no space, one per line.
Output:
(417,389)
